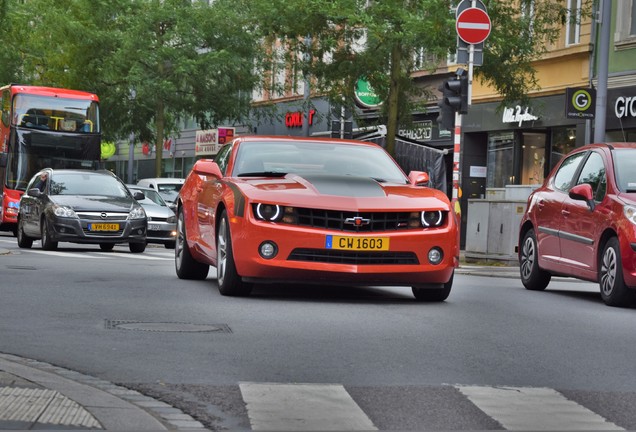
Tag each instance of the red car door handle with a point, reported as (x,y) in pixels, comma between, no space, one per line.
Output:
(565,212)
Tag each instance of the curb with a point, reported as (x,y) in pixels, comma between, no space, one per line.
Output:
(114,407)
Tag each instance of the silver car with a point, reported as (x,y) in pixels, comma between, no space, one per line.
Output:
(162,227)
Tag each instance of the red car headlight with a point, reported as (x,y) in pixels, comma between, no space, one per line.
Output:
(268,212)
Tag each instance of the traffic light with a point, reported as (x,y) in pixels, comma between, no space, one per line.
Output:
(454,99)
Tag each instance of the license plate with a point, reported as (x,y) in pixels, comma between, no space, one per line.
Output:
(154,227)
(103,227)
(357,243)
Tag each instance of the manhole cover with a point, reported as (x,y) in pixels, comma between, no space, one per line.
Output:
(178,327)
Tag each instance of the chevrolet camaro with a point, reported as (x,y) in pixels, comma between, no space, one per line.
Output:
(313,210)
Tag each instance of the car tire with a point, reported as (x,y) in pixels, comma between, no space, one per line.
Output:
(614,292)
(532,276)
(24,241)
(433,293)
(170,245)
(47,243)
(137,247)
(106,246)
(230,282)
(185,265)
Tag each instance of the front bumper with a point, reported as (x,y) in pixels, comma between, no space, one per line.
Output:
(303,255)
(81,231)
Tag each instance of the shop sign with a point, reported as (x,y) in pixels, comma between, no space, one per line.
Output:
(580,103)
(365,95)
(422,131)
(205,142)
(296,118)
(518,115)
(625,107)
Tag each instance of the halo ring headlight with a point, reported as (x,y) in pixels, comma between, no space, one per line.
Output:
(268,212)
(432,218)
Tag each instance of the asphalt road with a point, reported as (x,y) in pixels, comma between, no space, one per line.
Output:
(128,319)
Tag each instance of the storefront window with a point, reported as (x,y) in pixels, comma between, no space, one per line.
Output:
(563,141)
(500,160)
(533,158)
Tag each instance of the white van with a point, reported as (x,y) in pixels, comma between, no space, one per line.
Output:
(167,187)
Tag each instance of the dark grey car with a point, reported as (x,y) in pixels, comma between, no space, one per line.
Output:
(80,206)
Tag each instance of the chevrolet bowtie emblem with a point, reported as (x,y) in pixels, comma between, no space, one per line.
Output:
(357,221)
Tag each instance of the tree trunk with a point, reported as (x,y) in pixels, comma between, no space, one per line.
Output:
(393,99)
(159,128)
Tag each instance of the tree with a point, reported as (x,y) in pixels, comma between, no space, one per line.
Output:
(152,62)
(380,39)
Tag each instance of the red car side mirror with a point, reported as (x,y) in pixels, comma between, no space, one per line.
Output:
(583,192)
(207,167)
(418,177)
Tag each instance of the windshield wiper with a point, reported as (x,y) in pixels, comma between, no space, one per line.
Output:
(263,174)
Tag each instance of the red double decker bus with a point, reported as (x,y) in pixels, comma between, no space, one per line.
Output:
(43,127)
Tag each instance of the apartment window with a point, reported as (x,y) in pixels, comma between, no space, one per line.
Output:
(625,35)
(527,13)
(573,33)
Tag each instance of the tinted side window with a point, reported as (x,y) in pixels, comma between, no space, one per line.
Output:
(564,177)
(593,173)
(223,156)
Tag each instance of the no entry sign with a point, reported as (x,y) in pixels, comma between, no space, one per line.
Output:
(473,25)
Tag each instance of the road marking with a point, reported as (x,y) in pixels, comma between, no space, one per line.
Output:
(528,408)
(43,406)
(61,254)
(130,255)
(302,407)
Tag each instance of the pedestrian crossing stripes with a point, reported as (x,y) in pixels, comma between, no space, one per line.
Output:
(316,407)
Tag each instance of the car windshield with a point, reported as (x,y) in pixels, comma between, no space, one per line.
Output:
(151,197)
(169,191)
(624,162)
(273,158)
(87,183)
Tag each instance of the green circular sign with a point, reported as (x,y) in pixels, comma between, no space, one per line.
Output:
(581,100)
(365,95)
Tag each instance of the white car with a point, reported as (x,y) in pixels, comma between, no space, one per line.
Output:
(167,187)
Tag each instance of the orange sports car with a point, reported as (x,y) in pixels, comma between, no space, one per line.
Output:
(311,210)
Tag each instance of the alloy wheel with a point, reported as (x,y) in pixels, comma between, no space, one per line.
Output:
(528,257)
(608,271)
(221,249)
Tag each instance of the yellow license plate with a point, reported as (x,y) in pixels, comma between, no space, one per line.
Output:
(357,243)
(103,227)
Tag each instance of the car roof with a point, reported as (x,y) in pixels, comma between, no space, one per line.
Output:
(139,187)
(273,138)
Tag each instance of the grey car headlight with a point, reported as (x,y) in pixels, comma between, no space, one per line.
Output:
(64,211)
(137,213)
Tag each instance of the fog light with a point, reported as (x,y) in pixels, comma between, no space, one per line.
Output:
(435,256)
(268,250)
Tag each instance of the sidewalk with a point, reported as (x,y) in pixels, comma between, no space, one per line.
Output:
(37,395)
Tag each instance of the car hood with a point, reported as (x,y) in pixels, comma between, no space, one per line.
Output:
(94,203)
(343,192)
(157,211)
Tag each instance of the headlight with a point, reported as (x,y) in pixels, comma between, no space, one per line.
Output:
(172,219)
(630,213)
(63,211)
(432,218)
(268,212)
(137,213)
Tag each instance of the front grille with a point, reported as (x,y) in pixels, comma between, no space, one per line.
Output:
(109,216)
(349,257)
(345,221)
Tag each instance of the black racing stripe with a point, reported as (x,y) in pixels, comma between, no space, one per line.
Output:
(349,186)
(239,199)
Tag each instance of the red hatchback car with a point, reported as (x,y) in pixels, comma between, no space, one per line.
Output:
(310,210)
(582,223)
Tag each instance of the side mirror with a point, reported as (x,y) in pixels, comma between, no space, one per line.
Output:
(207,167)
(418,178)
(583,192)
(139,195)
(35,192)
